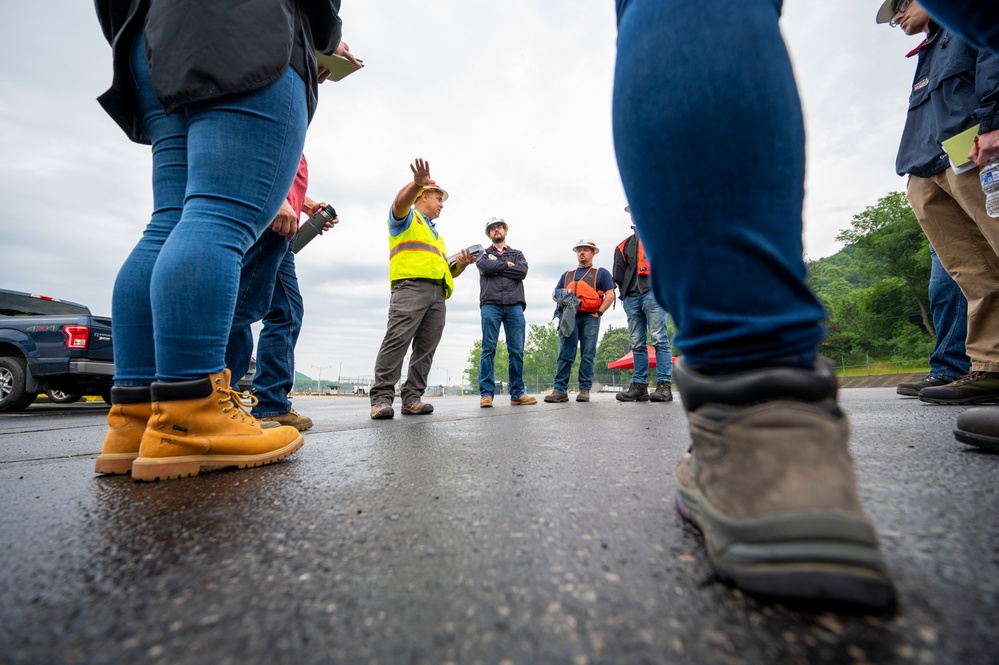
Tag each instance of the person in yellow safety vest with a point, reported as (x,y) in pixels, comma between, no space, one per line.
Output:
(421,280)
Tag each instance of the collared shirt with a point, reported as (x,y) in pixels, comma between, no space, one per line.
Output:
(397,226)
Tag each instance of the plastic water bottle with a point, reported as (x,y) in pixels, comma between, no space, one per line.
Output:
(990,185)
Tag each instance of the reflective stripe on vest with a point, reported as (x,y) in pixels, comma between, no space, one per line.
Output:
(417,254)
(414,245)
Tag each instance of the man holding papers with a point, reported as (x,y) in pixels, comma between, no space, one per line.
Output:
(956,86)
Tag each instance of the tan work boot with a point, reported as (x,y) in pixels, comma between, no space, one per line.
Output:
(524,400)
(202,423)
(292,419)
(486,402)
(583,396)
(382,411)
(417,408)
(769,482)
(131,408)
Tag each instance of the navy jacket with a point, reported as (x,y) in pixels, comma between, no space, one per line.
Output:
(955,86)
(500,284)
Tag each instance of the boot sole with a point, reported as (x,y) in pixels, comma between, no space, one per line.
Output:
(816,557)
(115,463)
(634,399)
(170,468)
(978,440)
(981,399)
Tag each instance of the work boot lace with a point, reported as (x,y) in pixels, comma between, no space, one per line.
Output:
(971,377)
(236,402)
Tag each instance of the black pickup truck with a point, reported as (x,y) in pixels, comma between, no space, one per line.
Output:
(51,346)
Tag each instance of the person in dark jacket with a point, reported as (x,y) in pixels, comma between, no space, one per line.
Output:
(223,92)
(502,270)
(956,86)
(631,274)
(978,23)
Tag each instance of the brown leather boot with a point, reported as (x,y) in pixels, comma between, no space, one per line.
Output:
(769,482)
(131,408)
(202,423)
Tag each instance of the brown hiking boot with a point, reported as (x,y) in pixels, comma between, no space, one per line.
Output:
(769,482)
(417,408)
(583,396)
(291,419)
(973,388)
(486,402)
(131,408)
(382,411)
(524,400)
(202,423)
(556,397)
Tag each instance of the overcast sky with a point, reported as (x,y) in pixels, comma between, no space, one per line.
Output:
(510,103)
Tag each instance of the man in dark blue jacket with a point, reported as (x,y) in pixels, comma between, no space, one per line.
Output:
(502,270)
(956,86)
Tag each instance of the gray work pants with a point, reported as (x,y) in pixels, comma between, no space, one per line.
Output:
(416,316)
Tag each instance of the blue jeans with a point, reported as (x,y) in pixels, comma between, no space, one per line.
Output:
(512,318)
(268,291)
(645,313)
(949,308)
(691,83)
(221,169)
(585,336)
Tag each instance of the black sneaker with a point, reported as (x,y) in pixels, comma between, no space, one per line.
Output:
(979,427)
(912,388)
(662,393)
(638,392)
(973,388)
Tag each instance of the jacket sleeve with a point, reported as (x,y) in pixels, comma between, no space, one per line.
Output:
(324,23)
(489,266)
(519,268)
(987,89)
(620,266)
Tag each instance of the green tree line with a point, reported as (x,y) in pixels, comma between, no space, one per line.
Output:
(875,290)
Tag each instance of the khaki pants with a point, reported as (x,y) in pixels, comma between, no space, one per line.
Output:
(951,210)
(416,317)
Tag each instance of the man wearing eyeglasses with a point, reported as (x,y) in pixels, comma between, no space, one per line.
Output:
(956,86)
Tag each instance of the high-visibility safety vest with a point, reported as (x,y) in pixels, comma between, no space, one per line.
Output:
(417,253)
(586,290)
(643,263)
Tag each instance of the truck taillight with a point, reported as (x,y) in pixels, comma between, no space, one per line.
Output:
(77,337)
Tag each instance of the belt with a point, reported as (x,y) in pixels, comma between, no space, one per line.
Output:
(438,282)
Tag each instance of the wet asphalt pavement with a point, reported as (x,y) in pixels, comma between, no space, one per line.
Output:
(539,534)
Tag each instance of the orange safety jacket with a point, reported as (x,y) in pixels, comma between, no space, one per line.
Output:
(643,263)
(585,289)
